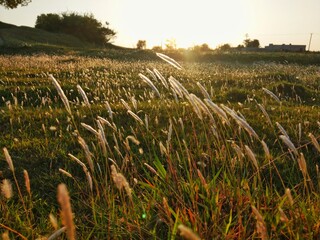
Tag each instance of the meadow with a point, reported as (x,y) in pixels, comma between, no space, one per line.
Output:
(94,148)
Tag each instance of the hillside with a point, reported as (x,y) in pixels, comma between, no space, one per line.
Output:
(14,36)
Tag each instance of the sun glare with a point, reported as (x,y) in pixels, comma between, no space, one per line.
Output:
(189,23)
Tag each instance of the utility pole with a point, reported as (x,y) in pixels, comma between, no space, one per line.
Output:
(310,41)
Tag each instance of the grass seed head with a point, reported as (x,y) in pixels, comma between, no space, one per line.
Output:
(8,159)
(6,188)
(187,233)
(66,211)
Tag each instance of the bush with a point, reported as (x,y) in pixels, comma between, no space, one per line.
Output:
(85,27)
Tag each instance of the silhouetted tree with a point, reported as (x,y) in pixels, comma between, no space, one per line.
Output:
(85,27)
(224,47)
(14,3)
(251,43)
(141,44)
(201,48)
(171,44)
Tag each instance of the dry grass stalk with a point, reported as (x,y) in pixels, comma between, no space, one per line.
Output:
(271,94)
(87,152)
(283,216)
(166,207)
(8,159)
(314,141)
(261,225)
(64,172)
(148,81)
(266,150)
(203,91)
(84,96)
(109,110)
(6,188)
(61,94)
(218,111)
(187,233)
(289,196)
(57,233)
(125,104)
(5,236)
(263,110)
(85,169)
(53,221)
(120,181)
(151,169)
(66,211)
(136,117)
(288,142)
(90,129)
(162,79)
(27,181)
(169,60)
(282,130)
(252,157)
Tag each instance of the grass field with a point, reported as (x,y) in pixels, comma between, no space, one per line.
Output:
(215,150)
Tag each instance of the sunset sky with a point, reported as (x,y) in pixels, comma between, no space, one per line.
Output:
(190,22)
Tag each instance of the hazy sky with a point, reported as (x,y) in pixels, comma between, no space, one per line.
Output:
(190,22)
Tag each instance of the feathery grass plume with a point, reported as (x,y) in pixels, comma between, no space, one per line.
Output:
(90,129)
(152,74)
(283,216)
(169,60)
(64,172)
(261,225)
(314,141)
(85,170)
(237,150)
(179,86)
(195,106)
(109,110)
(251,156)
(266,150)
(241,122)
(132,139)
(217,111)
(175,88)
(61,94)
(289,196)
(288,142)
(151,169)
(303,165)
(5,236)
(166,207)
(8,159)
(201,106)
(187,233)
(57,233)
(6,188)
(282,130)
(87,152)
(162,79)
(125,104)
(163,149)
(83,95)
(263,110)
(136,117)
(66,211)
(120,181)
(27,181)
(148,81)
(53,221)
(203,91)
(271,94)
(104,121)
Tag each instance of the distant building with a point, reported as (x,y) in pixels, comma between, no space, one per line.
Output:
(285,48)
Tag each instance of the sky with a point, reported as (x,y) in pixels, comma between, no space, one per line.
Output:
(190,22)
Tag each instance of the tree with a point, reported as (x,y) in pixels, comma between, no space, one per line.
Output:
(201,48)
(141,44)
(225,47)
(251,43)
(85,27)
(171,44)
(14,3)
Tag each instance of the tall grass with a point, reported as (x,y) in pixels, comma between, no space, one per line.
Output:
(174,158)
